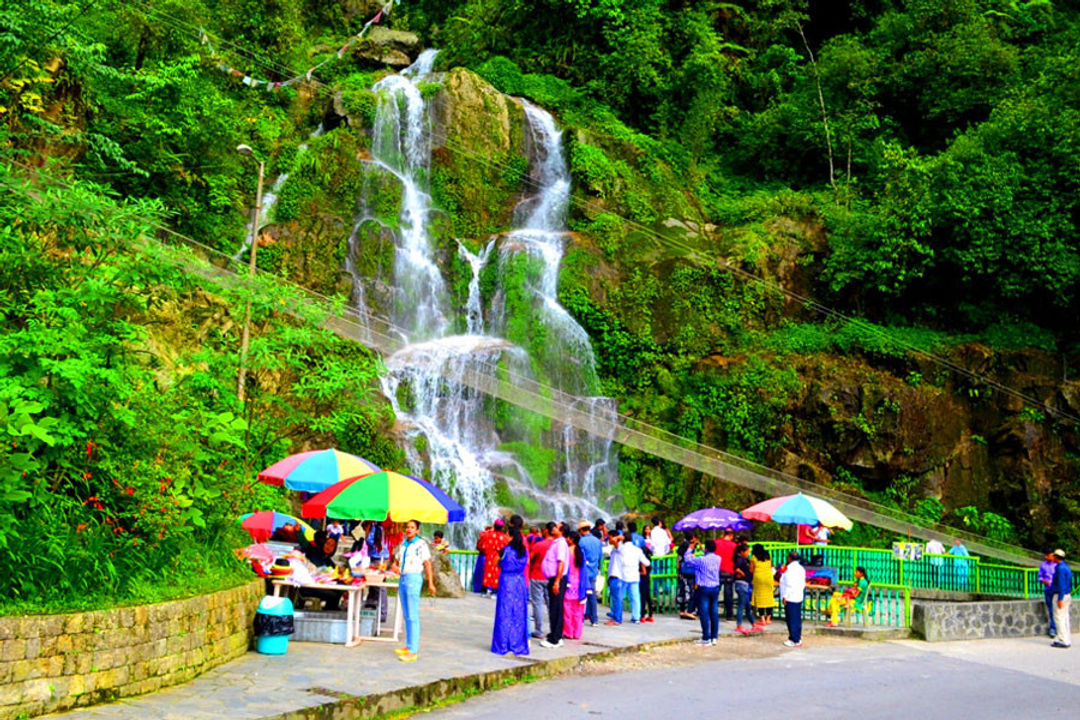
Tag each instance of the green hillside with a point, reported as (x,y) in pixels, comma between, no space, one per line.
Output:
(907,173)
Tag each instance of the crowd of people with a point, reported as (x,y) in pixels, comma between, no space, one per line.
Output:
(546,579)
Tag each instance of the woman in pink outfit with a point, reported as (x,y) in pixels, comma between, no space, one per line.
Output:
(576,586)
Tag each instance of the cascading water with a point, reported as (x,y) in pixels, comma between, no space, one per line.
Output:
(588,466)
(451,433)
(402,147)
(474,309)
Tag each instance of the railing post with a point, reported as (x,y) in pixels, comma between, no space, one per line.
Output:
(901,571)
(978,576)
(1025,584)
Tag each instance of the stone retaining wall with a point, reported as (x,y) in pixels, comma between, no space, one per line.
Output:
(938,621)
(50,663)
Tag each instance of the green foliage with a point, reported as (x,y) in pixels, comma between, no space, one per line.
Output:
(128,458)
(987,523)
(536,459)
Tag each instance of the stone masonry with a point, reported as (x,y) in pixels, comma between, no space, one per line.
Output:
(56,662)
(940,621)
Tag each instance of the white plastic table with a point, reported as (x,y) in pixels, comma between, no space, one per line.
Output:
(357,595)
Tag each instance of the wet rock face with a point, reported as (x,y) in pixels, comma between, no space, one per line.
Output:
(383,47)
(986,449)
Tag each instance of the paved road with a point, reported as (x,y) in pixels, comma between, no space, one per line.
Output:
(984,679)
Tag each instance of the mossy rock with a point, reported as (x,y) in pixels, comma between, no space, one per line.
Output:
(479,156)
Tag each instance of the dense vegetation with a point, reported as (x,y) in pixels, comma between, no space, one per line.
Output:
(911,163)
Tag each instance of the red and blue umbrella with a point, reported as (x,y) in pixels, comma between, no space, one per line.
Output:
(315,470)
(262,524)
(382,496)
(798,509)
(713,518)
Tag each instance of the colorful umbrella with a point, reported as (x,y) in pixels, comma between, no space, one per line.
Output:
(713,519)
(798,509)
(315,470)
(262,524)
(384,495)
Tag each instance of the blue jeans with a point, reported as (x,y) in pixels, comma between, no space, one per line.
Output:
(1050,610)
(409,597)
(617,589)
(709,611)
(590,600)
(742,591)
(633,589)
(793,617)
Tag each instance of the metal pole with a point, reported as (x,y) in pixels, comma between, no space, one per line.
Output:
(254,244)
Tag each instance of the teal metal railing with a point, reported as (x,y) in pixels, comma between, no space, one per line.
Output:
(892,578)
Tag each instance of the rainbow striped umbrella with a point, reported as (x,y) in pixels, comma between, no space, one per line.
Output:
(384,495)
(798,509)
(315,470)
(262,524)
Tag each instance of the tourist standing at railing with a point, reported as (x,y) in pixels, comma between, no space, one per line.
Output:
(616,586)
(491,544)
(764,591)
(792,591)
(934,547)
(725,548)
(538,585)
(1062,587)
(645,578)
(707,579)
(743,589)
(960,567)
(661,538)
(593,549)
(600,530)
(556,564)
(1046,579)
(685,597)
(574,602)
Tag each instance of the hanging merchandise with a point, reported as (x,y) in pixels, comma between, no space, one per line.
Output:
(275,85)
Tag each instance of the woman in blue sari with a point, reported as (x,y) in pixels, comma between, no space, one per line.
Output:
(511,633)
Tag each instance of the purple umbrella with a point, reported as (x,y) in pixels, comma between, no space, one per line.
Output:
(714,519)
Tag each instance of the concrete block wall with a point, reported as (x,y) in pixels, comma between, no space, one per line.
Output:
(940,621)
(50,663)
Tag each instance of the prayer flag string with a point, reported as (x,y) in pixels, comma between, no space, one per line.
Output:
(273,86)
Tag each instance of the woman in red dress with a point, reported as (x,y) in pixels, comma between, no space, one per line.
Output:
(491,544)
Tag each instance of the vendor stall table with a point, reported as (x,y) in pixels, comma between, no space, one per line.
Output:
(357,594)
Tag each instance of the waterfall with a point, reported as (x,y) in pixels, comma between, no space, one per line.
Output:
(466,442)
(474,311)
(402,147)
(589,465)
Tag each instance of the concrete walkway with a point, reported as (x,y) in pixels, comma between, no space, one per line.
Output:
(331,681)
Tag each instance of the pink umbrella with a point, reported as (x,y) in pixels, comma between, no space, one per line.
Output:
(258,551)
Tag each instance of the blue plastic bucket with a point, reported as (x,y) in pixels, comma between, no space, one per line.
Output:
(272,644)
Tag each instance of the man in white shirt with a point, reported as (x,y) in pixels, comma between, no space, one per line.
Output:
(792,590)
(935,547)
(659,538)
(631,560)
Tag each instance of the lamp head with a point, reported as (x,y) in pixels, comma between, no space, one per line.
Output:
(245,150)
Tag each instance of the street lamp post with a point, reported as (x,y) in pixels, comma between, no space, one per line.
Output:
(253,244)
